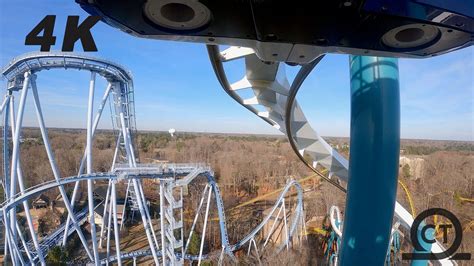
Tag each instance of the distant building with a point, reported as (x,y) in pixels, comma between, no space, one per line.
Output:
(40,202)
(100,194)
(99,217)
(416,165)
(59,205)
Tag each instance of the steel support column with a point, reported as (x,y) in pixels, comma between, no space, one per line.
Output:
(54,167)
(116,231)
(6,171)
(16,152)
(83,160)
(132,163)
(206,217)
(26,208)
(374,155)
(162,224)
(90,184)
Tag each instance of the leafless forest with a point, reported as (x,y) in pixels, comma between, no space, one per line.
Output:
(436,173)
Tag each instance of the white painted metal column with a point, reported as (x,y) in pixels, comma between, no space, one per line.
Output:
(286,226)
(140,203)
(182,223)
(273,226)
(109,222)
(17,130)
(116,232)
(107,199)
(4,104)
(195,218)
(23,242)
(83,160)
(204,226)
(147,213)
(16,171)
(16,153)
(125,204)
(54,168)
(15,253)
(6,162)
(90,185)
(162,224)
(140,196)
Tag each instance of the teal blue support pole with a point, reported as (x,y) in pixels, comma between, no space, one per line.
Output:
(429,235)
(373,161)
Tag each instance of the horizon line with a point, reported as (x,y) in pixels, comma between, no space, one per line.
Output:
(234,133)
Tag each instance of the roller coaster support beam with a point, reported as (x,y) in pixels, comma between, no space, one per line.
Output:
(206,217)
(373,167)
(83,160)
(116,231)
(54,168)
(29,219)
(198,211)
(6,185)
(90,185)
(4,104)
(15,253)
(131,161)
(15,169)
(162,224)
(12,126)
(104,213)
(16,152)
(109,224)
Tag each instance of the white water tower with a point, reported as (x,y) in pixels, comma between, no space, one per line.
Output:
(172,131)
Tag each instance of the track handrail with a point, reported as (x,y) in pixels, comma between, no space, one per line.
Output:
(35,190)
(32,62)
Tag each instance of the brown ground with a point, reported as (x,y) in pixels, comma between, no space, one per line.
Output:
(249,166)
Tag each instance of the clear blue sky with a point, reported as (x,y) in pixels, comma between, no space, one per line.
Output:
(176,87)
